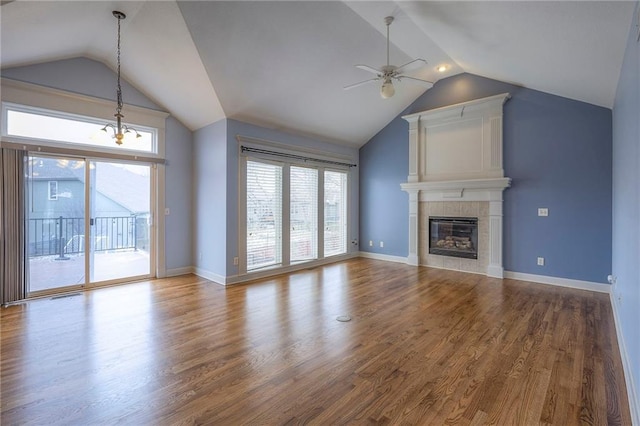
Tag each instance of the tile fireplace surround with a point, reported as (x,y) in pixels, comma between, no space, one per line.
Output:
(455,170)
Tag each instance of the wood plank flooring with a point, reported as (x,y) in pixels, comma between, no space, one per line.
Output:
(424,347)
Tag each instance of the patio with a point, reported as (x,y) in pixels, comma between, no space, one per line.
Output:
(45,272)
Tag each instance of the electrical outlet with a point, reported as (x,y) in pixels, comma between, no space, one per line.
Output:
(541,261)
(543,211)
(381,244)
(235,261)
(370,243)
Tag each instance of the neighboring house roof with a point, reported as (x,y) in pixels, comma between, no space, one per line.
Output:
(122,185)
(51,169)
(118,183)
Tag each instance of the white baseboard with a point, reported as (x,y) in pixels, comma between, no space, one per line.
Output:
(211,276)
(179,271)
(632,391)
(379,256)
(561,282)
(238,279)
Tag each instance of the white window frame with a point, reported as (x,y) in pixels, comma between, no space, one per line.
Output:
(12,107)
(51,196)
(286,163)
(31,98)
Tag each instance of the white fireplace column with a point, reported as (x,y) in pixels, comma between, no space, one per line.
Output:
(495,268)
(414,147)
(414,228)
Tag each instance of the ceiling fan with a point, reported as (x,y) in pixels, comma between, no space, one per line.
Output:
(388,73)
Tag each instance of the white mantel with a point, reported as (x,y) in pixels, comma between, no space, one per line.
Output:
(455,154)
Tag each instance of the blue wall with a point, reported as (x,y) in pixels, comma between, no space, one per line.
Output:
(178,195)
(558,153)
(210,198)
(384,208)
(626,206)
(79,75)
(88,77)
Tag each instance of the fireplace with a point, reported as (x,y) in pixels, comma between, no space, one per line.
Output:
(456,170)
(454,236)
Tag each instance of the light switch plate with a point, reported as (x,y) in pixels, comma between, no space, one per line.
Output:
(543,211)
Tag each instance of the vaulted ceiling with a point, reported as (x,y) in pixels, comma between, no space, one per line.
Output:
(283,64)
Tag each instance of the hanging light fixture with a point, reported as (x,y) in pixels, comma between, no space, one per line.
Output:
(387,90)
(119,129)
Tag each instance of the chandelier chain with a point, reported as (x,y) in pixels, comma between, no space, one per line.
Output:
(119,129)
(119,91)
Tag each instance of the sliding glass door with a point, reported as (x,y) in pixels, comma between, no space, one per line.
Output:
(120,221)
(70,199)
(55,222)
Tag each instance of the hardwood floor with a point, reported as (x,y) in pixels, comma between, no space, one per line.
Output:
(424,346)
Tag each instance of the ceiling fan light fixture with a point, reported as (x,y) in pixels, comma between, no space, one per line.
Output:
(387,73)
(387,90)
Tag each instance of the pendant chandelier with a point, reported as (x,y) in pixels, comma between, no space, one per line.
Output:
(119,130)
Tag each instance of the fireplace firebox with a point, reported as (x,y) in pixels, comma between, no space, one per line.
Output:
(454,236)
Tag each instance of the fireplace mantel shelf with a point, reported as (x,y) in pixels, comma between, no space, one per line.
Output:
(469,184)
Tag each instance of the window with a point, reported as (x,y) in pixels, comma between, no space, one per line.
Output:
(294,213)
(304,213)
(53,190)
(264,215)
(33,123)
(335,213)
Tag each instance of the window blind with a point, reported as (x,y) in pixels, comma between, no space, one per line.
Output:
(264,215)
(335,213)
(304,213)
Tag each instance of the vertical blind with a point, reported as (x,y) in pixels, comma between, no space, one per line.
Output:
(264,215)
(335,213)
(304,213)
(12,226)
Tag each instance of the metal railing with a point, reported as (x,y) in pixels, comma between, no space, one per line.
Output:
(65,235)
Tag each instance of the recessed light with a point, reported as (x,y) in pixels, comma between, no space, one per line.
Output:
(442,68)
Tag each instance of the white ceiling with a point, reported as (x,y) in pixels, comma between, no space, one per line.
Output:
(283,64)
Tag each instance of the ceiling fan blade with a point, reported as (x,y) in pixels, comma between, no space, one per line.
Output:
(424,82)
(370,69)
(351,86)
(410,66)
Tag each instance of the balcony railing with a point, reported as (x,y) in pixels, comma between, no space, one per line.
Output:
(62,236)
